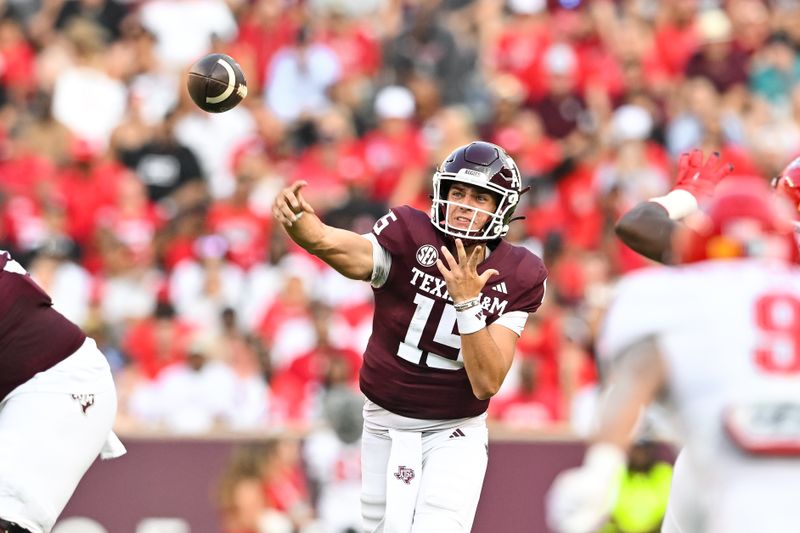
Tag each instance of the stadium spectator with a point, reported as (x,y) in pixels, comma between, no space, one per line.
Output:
(394,151)
(284,485)
(532,404)
(157,342)
(300,388)
(214,139)
(88,97)
(128,291)
(426,48)
(333,458)
(55,269)
(107,14)
(299,75)
(241,499)
(184,28)
(718,59)
(199,394)
(169,170)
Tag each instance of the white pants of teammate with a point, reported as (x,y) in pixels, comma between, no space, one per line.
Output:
(448,464)
(51,430)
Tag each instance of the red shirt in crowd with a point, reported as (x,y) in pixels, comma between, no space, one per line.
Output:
(246,232)
(356,46)
(154,344)
(84,193)
(387,158)
(535,408)
(265,36)
(519,51)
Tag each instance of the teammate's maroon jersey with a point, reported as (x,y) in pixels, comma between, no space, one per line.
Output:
(33,335)
(412,365)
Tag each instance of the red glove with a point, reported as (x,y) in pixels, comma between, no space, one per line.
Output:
(700,179)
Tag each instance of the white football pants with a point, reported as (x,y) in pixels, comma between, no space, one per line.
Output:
(51,430)
(433,479)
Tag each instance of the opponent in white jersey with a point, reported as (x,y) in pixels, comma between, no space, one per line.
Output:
(648,229)
(718,342)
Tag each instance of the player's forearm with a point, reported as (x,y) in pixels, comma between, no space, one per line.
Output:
(647,230)
(346,252)
(621,407)
(637,380)
(483,362)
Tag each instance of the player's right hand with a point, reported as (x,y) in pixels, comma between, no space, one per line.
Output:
(700,178)
(289,204)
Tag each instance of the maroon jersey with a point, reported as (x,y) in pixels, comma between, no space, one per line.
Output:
(412,365)
(33,335)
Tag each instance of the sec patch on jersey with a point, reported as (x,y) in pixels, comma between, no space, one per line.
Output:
(216,83)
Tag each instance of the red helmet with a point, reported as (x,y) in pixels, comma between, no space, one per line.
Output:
(743,219)
(787,183)
(483,165)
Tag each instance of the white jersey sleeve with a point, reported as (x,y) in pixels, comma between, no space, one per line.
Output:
(381,261)
(513,320)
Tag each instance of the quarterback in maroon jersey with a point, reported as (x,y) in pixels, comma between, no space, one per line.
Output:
(451,299)
(57,405)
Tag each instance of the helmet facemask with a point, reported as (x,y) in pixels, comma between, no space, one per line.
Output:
(497,224)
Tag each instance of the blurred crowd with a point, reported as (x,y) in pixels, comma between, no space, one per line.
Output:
(149,220)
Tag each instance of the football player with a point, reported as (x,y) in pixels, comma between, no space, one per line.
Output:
(451,299)
(57,405)
(727,366)
(648,229)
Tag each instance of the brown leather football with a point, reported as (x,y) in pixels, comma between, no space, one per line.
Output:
(216,83)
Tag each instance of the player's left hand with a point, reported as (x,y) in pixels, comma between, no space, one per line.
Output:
(462,278)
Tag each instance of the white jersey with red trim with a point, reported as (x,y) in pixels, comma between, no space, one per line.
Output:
(729,332)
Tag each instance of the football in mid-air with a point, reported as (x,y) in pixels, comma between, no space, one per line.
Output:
(216,83)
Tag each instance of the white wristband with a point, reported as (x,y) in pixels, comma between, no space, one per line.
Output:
(678,203)
(470,320)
